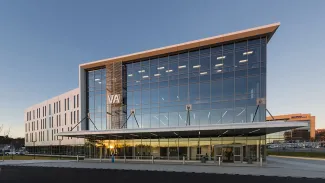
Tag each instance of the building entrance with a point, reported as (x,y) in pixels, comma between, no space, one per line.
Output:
(229,153)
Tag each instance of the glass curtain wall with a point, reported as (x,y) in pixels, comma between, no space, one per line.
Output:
(222,83)
(96,99)
(243,148)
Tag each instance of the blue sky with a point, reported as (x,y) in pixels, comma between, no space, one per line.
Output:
(43,42)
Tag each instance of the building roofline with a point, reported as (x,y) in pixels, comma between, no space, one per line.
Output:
(261,30)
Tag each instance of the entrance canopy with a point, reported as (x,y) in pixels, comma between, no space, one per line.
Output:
(212,130)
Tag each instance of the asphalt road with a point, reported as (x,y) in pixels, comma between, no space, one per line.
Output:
(32,174)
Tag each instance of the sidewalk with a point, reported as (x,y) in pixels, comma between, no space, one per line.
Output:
(297,157)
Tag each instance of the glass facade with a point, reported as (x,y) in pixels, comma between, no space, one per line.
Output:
(242,148)
(221,83)
(96,99)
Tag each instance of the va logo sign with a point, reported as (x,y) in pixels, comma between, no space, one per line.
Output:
(113,99)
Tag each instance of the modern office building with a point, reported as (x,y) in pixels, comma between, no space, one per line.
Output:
(48,118)
(200,98)
(300,134)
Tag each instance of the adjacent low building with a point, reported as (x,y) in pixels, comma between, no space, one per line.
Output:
(200,98)
(48,118)
(300,134)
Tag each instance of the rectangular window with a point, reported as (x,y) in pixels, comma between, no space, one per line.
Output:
(59,106)
(57,121)
(54,107)
(37,124)
(68,103)
(45,110)
(65,118)
(71,117)
(45,123)
(78,100)
(52,121)
(50,109)
(65,104)
(78,116)
(74,117)
(74,101)
(52,135)
(60,119)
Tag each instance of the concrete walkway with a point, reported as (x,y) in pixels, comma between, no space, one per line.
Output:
(283,167)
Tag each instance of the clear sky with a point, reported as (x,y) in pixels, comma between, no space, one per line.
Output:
(43,42)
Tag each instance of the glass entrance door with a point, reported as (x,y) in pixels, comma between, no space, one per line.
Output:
(229,153)
(238,153)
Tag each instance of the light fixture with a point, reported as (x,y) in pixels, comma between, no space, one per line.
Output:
(153,134)
(141,71)
(169,71)
(218,65)
(134,135)
(182,66)
(162,98)
(166,117)
(180,117)
(145,76)
(255,131)
(130,75)
(162,122)
(241,112)
(224,113)
(175,133)
(222,57)
(243,61)
(219,70)
(204,73)
(97,79)
(160,68)
(156,74)
(137,81)
(196,66)
(209,115)
(99,82)
(225,132)
(248,53)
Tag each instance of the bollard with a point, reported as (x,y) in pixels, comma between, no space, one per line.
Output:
(124,159)
(113,159)
(219,162)
(3,155)
(261,161)
(77,158)
(152,161)
(183,160)
(100,158)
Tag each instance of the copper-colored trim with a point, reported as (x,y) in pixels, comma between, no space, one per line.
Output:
(267,29)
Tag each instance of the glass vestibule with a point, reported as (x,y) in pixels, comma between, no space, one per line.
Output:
(231,149)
